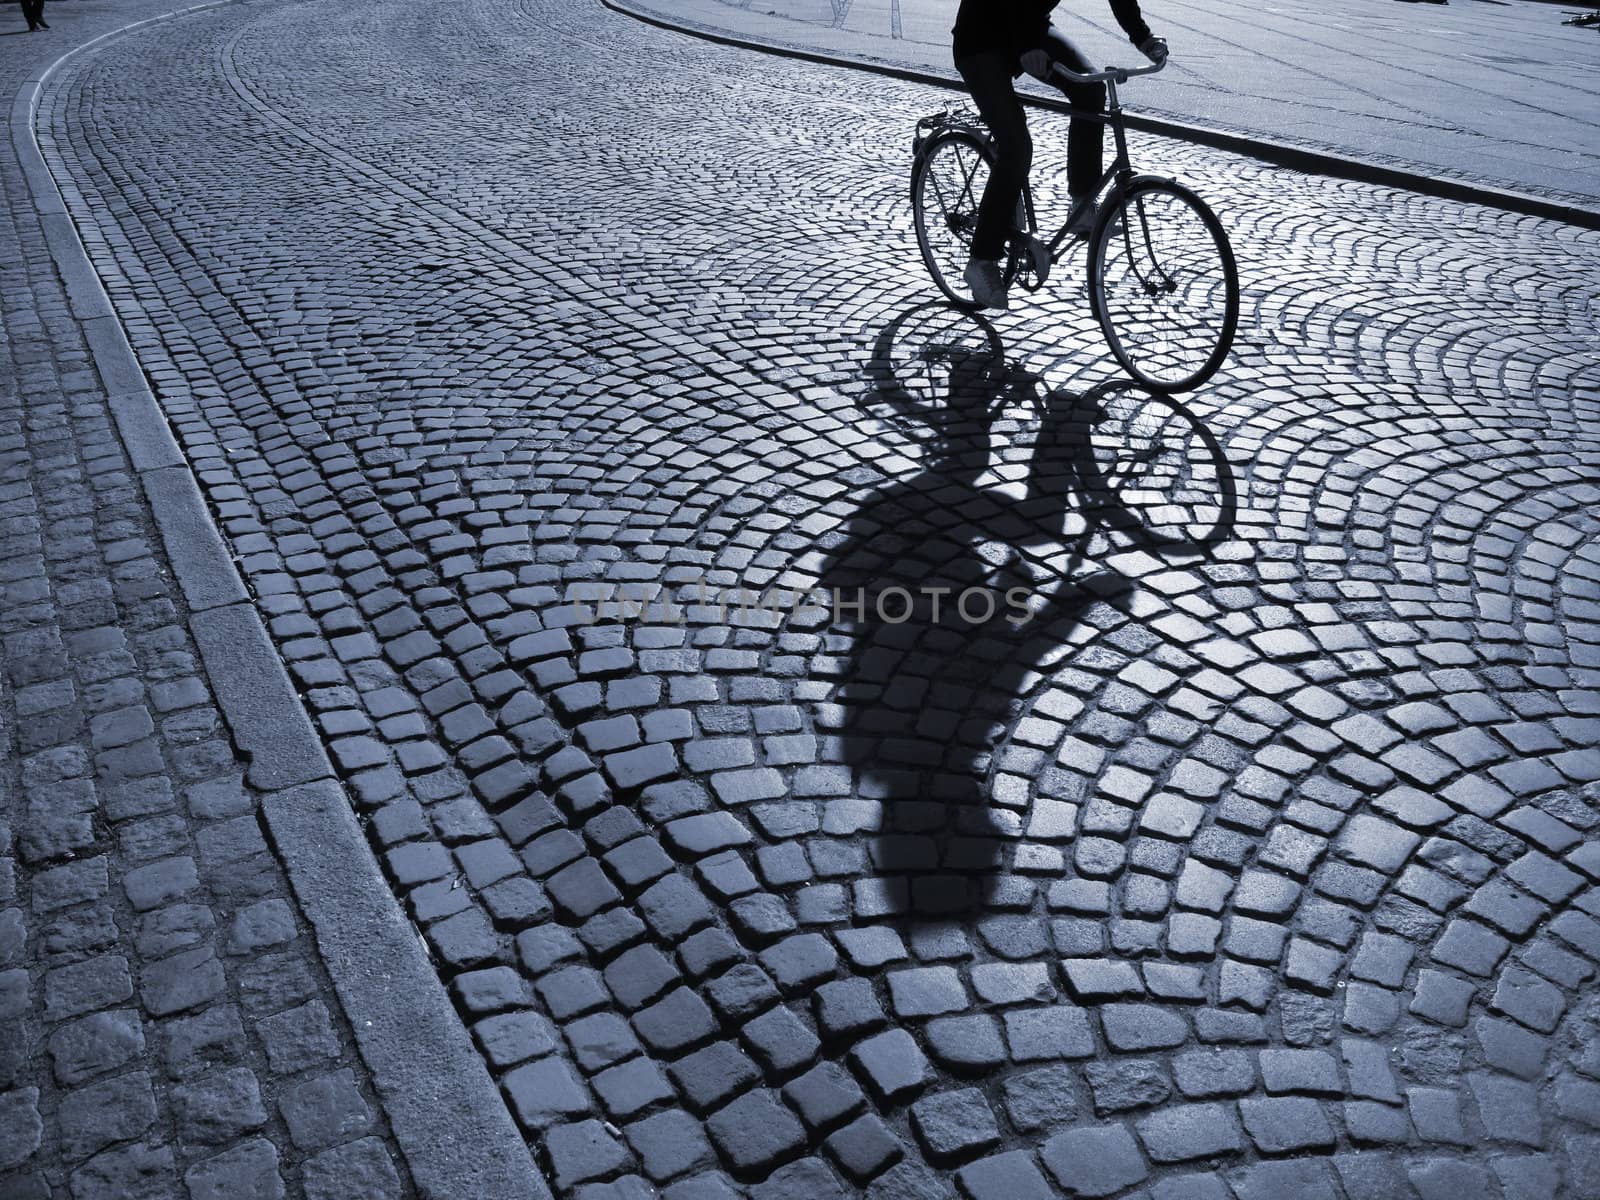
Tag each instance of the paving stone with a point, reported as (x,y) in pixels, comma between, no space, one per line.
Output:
(600,1040)
(677,1022)
(95,1044)
(1528,1176)
(1010,1175)
(1136,1027)
(824,1095)
(74,883)
(261,925)
(1284,1125)
(809,1177)
(669,1144)
(136,1172)
(100,1114)
(1304,1180)
(21,1128)
(1013,983)
(1528,1000)
(1191,1187)
(965,1044)
(186,980)
(631,1087)
(846,1008)
(194,1044)
(1100,979)
(1312,1072)
(160,883)
(926,991)
(781,1041)
(324,1110)
(490,990)
(954,1125)
(801,962)
(1442,998)
(1039,1034)
(1098,1160)
(543,1091)
(1577,1099)
(1509,1047)
(1436,1114)
(1440,1179)
(506,1039)
(1375,843)
(755,1131)
(218,1108)
(248,1171)
(362,1168)
(865,1147)
(583,1150)
(1363,1173)
(83,987)
(1126,1084)
(891,1064)
(1508,1109)
(700,1187)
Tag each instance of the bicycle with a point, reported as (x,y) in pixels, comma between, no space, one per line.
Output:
(1163,282)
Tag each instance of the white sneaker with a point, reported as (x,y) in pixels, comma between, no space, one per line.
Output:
(987,284)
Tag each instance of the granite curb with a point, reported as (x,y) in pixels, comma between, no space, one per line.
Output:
(1280,154)
(437,1094)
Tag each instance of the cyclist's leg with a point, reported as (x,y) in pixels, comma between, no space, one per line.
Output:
(1085,136)
(988,77)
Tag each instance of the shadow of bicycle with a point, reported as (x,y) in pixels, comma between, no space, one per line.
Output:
(956,589)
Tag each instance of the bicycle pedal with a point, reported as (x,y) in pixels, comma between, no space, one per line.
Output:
(1037,255)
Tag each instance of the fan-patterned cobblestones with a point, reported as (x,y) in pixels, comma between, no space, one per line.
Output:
(1257,863)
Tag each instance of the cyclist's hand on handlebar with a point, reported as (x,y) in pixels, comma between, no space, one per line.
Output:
(1155,49)
(1036,63)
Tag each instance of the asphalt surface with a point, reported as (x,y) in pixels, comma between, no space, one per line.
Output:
(1491,92)
(1255,863)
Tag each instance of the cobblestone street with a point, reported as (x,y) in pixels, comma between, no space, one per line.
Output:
(516,347)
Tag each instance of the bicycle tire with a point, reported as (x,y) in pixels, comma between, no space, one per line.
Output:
(946,186)
(1163,283)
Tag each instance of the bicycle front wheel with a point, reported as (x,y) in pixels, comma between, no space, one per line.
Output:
(945,190)
(1163,284)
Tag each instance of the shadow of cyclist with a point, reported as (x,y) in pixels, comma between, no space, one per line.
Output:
(945,624)
(952,592)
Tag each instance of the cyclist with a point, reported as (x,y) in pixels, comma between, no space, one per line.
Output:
(994,42)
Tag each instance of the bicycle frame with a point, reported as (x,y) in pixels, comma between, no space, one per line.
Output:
(1121,168)
(1148,238)
(1120,172)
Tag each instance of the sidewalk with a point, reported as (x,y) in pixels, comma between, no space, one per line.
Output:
(1497,94)
(171,834)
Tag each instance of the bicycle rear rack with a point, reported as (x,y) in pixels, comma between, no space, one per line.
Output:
(964,119)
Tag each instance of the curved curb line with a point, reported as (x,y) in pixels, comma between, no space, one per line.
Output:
(447,1115)
(1281,154)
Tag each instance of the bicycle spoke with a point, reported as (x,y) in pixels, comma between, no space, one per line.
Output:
(1166,291)
(946,210)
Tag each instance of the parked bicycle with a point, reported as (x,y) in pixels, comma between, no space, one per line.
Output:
(1163,283)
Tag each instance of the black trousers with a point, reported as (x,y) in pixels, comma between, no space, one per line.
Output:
(33,12)
(989,75)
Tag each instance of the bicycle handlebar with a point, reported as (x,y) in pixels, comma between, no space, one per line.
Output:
(1110,74)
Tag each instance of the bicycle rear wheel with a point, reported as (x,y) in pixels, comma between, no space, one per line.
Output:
(1163,284)
(947,185)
